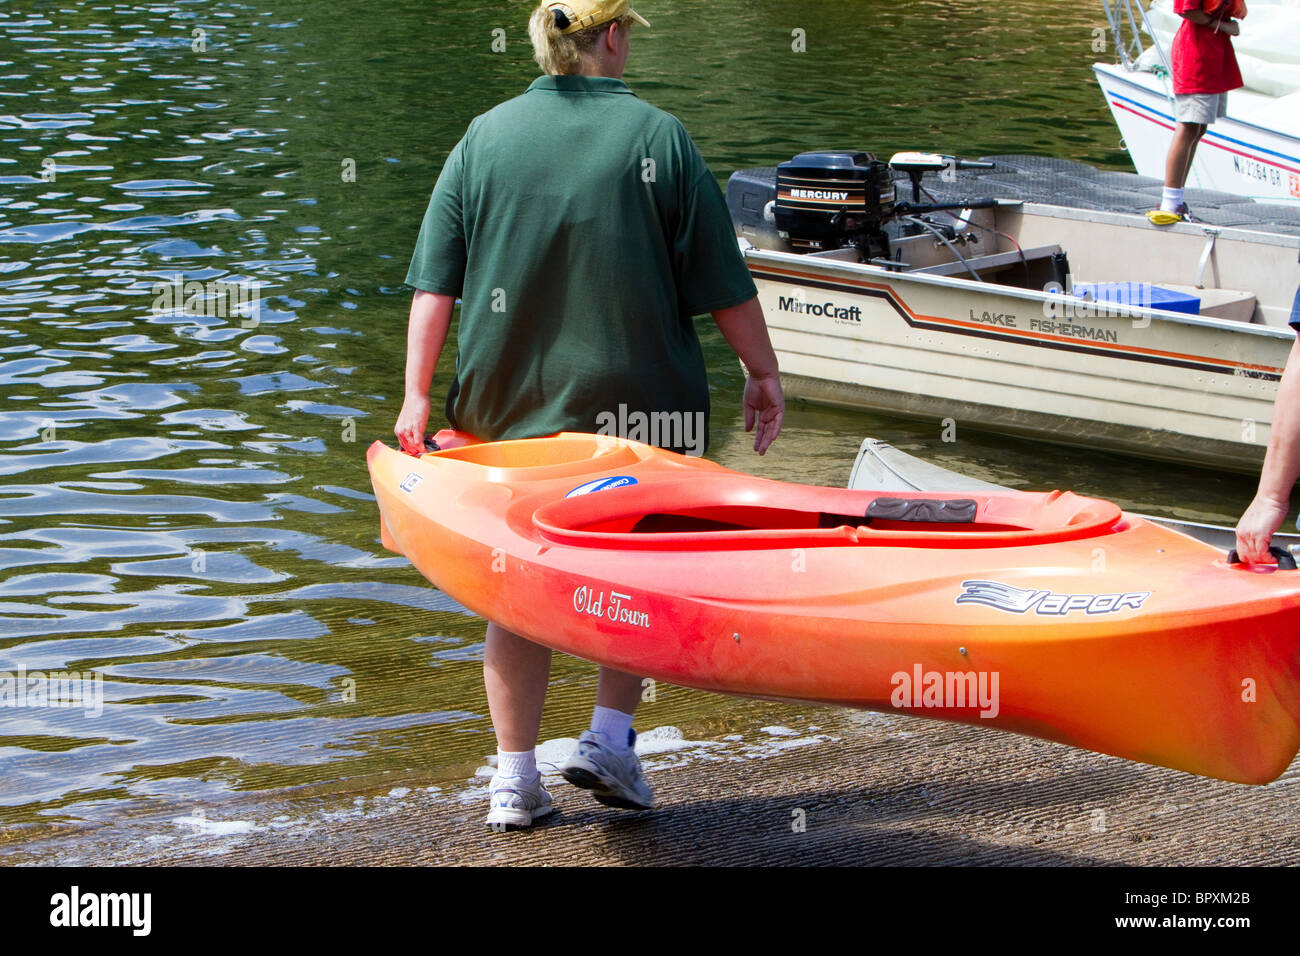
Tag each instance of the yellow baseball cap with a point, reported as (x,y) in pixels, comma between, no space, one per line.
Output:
(582,14)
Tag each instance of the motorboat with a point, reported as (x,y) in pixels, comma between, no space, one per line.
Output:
(1022,295)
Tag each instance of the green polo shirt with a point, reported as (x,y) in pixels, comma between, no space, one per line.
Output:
(582,230)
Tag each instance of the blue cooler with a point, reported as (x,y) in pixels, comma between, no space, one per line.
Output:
(1140,294)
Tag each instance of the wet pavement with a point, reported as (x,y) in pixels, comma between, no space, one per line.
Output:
(845,788)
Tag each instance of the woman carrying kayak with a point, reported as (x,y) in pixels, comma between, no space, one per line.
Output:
(582,231)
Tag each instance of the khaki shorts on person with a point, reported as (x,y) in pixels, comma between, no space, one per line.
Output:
(1202,108)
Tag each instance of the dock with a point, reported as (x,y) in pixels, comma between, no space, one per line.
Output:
(1066,182)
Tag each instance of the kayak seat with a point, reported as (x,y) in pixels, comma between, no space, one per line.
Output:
(681,524)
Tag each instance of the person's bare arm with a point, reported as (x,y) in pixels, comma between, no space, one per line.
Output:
(425,335)
(1226,24)
(746,332)
(1281,468)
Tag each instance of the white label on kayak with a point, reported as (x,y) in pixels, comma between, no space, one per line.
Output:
(410,482)
(618,608)
(601,484)
(1015,600)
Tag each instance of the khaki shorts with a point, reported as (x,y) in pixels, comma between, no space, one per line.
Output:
(1202,108)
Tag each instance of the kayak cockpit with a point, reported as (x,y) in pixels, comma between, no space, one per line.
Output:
(708,513)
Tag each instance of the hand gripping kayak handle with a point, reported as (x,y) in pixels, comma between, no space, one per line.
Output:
(429,446)
(1285,560)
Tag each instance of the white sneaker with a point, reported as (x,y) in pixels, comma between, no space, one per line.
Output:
(613,776)
(517,802)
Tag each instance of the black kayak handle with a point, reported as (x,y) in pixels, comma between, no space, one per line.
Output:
(1285,559)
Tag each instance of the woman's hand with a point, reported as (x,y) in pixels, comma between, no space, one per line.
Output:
(425,335)
(764,407)
(746,332)
(411,423)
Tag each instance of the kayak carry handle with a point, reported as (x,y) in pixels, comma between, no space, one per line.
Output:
(1285,559)
(429,446)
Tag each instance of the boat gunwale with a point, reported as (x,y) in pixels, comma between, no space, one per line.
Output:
(859,270)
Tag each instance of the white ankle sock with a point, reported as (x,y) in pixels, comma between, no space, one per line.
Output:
(521,764)
(614,724)
(1171,199)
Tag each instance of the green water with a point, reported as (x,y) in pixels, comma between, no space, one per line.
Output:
(185,505)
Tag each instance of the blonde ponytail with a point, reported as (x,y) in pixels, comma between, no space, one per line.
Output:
(560,54)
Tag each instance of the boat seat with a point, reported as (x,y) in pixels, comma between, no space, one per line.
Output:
(988,263)
(1232,304)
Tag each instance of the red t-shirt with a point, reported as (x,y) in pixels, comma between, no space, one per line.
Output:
(1204,61)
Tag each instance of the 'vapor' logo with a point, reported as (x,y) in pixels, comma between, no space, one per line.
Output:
(1015,600)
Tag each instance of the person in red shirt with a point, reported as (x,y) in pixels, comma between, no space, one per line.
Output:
(1205,69)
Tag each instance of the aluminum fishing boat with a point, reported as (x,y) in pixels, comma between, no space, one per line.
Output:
(975,303)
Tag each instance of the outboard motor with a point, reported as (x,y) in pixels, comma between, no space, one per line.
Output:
(832,199)
(828,200)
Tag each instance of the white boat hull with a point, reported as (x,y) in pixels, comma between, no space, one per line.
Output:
(996,357)
(1236,155)
(882,467)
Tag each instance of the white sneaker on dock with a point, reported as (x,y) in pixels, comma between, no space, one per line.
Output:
(517,802)
(613,775)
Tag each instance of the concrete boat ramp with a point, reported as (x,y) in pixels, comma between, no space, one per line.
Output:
(836,788)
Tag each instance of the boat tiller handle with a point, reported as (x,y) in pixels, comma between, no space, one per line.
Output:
(1285,559)
(913,209)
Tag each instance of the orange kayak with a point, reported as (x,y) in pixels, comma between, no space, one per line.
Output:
(1050,614)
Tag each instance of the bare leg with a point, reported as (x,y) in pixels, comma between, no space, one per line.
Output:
(1181,153)
(1201,130)
(515,673)
(618,690)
